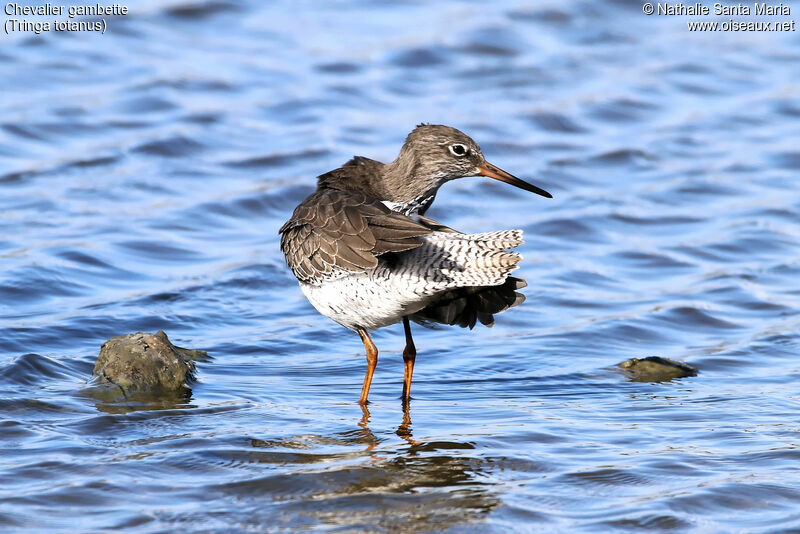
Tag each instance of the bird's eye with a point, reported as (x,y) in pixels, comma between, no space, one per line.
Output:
(459,150)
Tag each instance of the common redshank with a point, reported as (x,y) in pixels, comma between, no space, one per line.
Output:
(367,257)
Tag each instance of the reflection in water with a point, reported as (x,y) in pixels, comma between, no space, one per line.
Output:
(111,399)
(404,430)
(367,433)
(428,485)
(143,405)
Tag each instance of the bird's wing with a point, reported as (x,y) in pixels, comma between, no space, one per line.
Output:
(435,225)
(344,230)
(466,306)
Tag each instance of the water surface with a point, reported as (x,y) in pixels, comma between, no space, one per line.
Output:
(144,174)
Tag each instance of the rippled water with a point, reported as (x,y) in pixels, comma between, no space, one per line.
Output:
(144,174)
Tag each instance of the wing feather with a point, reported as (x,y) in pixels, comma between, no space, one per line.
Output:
(346,229)
(466,306)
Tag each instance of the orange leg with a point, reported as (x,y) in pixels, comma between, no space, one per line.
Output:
(372,361)
(409,354)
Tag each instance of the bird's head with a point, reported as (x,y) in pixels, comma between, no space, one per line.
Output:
(434,154)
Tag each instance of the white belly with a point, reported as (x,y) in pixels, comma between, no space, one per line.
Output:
(363,300)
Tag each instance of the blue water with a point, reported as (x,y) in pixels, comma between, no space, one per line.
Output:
(144,174)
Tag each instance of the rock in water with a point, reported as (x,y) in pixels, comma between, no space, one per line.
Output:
(146,363)
(656,369)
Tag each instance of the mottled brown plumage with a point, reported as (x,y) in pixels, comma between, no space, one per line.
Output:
(366,257)
(344,229)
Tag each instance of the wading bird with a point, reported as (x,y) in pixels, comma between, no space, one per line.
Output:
(367,257)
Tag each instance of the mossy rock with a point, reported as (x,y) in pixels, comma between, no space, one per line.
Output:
(656,369)
(144,363)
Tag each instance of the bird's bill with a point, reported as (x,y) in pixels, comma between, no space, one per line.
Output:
(487,169)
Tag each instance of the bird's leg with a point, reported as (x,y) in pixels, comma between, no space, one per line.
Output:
(409,354)
(372,361)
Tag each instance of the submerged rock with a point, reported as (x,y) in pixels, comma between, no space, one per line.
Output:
(145,363)
(656,369)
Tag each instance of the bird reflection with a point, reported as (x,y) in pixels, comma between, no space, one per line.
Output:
(404,430)
(366,434)
(442,482)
